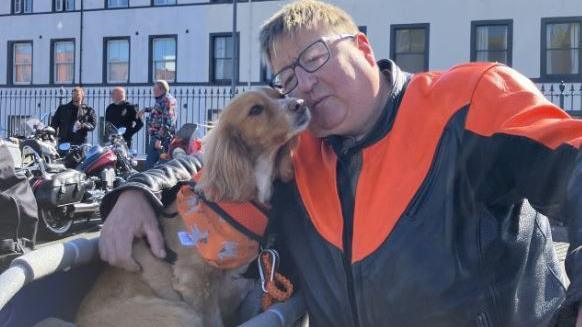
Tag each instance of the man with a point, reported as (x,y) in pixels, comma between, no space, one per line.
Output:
(162,122)
(121,113)
(74,120)
(405,209)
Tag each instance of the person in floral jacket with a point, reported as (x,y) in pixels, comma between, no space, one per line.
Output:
(162,122)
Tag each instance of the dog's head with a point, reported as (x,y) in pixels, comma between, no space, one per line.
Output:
(250,145)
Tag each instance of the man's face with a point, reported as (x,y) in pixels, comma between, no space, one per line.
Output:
(340,94)
(77,96)
(117,95)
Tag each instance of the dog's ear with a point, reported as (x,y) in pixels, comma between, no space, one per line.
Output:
(284,163)
(228,173)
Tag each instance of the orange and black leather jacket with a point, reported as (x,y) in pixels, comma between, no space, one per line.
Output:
(421,223)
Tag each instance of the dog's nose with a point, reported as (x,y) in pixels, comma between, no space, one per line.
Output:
(296,105)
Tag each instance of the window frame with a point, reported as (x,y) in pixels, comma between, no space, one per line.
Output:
(212,68)
(108,6)
(151,55)
(544,76)
(52,61)
(105,58)
(10,62)
(496,22)
(153,3)
(396,27)
(64,7)
(22,10)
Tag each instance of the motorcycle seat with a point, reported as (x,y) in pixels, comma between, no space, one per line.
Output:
(55,167)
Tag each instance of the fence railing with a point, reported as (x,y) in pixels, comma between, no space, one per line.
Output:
(195,104)
(567,96)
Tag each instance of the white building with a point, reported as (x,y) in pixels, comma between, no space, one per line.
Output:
(101,42)
(46,44)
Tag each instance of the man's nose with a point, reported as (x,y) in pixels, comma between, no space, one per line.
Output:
(305,80)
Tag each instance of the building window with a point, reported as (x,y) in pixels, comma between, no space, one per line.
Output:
(117,3)
(163,2)
(221,57)
(21,62)
(163,58)
(492,41)
(64,5)
(116,60)
(63,61)
(409,46)
(21,6)
(561,48)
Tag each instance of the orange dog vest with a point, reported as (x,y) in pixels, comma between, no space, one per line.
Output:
(225,234)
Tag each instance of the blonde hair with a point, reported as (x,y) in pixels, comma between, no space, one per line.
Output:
(303,15)
(164,85)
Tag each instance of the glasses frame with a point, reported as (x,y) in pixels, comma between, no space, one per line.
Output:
(325,40)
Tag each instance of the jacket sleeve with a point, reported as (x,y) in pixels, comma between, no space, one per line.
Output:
(109,114)
(132,112)
(159,184)
(519,145)
(91,122)
(55,120)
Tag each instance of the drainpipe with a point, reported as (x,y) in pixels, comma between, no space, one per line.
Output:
(251,34)
(235,50)
(81,48)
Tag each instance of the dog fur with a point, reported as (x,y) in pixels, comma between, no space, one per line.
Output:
(249,147)
(188,293)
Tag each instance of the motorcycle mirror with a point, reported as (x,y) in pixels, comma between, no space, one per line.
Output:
(121,130)
(65,146)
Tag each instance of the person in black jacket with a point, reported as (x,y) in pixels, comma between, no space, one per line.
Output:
(408,206)
(74,120)
(121,113)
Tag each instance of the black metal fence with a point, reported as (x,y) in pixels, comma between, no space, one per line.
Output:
(195,104)
(565,95)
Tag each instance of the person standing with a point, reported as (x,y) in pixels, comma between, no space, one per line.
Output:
(121,113)
(74,120)
(162,123)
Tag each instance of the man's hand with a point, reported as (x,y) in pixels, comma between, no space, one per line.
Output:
(131,217)
(140,113)
(77,126)
(158,145)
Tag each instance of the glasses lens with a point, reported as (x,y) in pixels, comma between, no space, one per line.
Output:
(315,56)
(285,80)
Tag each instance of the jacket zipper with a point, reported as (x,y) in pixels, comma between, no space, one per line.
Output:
(347,244)
(347,237)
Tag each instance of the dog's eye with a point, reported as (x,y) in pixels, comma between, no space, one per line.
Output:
(256,110)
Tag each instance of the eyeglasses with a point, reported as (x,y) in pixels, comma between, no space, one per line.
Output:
(310,59)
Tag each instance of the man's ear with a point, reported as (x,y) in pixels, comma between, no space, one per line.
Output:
(363,44)
(228,173)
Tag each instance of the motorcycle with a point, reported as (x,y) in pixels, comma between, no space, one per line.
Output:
(38,140)
(69,187)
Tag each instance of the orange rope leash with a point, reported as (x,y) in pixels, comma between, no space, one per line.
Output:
(278,288)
